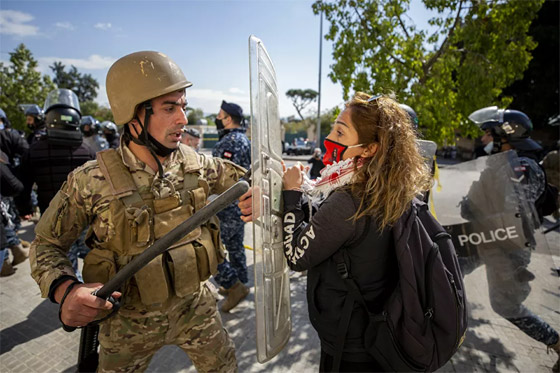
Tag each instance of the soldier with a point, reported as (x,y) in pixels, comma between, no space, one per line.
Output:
(507,267)
(131,196)
(35,119)
(191,137)
(235,147)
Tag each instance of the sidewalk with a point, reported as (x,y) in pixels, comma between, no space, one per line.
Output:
(31,339)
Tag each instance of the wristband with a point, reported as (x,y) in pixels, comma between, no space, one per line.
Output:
(66,292)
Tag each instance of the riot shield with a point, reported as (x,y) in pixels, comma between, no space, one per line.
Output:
(272,287)
(487,206)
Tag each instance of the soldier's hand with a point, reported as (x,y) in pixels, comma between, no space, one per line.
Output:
(81,307)
(246,206)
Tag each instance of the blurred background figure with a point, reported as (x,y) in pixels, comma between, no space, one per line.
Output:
(35,120)
(317,164)
(191,137)
(235,147)
(111,133)
(90,128)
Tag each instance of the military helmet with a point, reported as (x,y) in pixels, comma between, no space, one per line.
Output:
(108,126)
(35,111)
(511,125)
(411,113)
(139,77)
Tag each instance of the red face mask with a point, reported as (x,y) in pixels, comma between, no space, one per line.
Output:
(334,151)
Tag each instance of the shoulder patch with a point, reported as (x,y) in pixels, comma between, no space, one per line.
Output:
(228,155)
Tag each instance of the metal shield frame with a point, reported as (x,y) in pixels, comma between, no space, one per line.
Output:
(272,286)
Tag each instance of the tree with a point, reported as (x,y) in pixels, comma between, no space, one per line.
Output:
(101,113)
(301,98)
(537,93)
(478,48)
(21,83)
(194,115)
(84,86)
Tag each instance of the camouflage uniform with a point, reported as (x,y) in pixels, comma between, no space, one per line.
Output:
(174,309)
(235,147)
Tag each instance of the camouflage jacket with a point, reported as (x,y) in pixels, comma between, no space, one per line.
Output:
(84,200)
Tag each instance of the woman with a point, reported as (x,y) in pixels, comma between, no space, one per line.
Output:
(373,172)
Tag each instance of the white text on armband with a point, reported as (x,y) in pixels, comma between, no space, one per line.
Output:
(295,255)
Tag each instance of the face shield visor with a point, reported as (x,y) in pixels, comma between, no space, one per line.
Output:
(489,114)
(62,97)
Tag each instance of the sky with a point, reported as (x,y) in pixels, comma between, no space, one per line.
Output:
(207,39)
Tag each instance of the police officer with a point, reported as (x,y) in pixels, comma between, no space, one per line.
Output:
(111,133)
(90,128)
(191,137)
(35,120)
(506,269)
(235,147)
(52,157)
(131,196)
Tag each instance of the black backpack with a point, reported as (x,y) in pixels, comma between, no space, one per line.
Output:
(424,321)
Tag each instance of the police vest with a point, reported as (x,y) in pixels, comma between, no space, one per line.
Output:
(140,219)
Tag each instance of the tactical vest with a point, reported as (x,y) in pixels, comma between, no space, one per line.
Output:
(140,219)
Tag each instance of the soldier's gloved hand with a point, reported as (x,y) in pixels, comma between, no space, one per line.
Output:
(246,206)
(81,307)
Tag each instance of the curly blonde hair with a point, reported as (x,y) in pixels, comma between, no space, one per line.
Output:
(388,181)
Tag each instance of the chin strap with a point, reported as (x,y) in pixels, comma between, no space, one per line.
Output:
(145,139)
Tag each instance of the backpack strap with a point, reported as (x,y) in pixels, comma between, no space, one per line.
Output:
(354,295)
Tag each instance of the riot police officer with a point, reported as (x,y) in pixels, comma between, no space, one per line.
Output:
(111,133)
(35,120)
(507,268)
(235,147)
(90,128)
(131,196)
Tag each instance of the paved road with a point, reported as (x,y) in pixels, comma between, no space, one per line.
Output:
(31,339)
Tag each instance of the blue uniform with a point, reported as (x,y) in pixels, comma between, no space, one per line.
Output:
(236,147)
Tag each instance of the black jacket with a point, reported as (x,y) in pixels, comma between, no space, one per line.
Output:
(9,186)
(370,255)
(48,165)
(14,145)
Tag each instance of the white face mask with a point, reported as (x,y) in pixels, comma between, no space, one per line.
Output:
(488,147)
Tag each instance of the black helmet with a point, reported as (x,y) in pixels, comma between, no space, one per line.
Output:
(93,124)
(109,127)
(62,116)
(36,112)
(412,114)
(512,125)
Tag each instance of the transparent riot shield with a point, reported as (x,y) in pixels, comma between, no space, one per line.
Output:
(487,207)
(272,287)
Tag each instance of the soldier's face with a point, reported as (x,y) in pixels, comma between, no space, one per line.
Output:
(168,119)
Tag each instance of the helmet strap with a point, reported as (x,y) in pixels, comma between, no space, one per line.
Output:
(145,139)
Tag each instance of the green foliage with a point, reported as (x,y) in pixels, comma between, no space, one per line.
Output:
(194,115)
(21,83)
(84,85)
(301,98)
(479,48)
(101,113)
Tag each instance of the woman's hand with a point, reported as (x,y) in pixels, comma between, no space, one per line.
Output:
(293,176)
